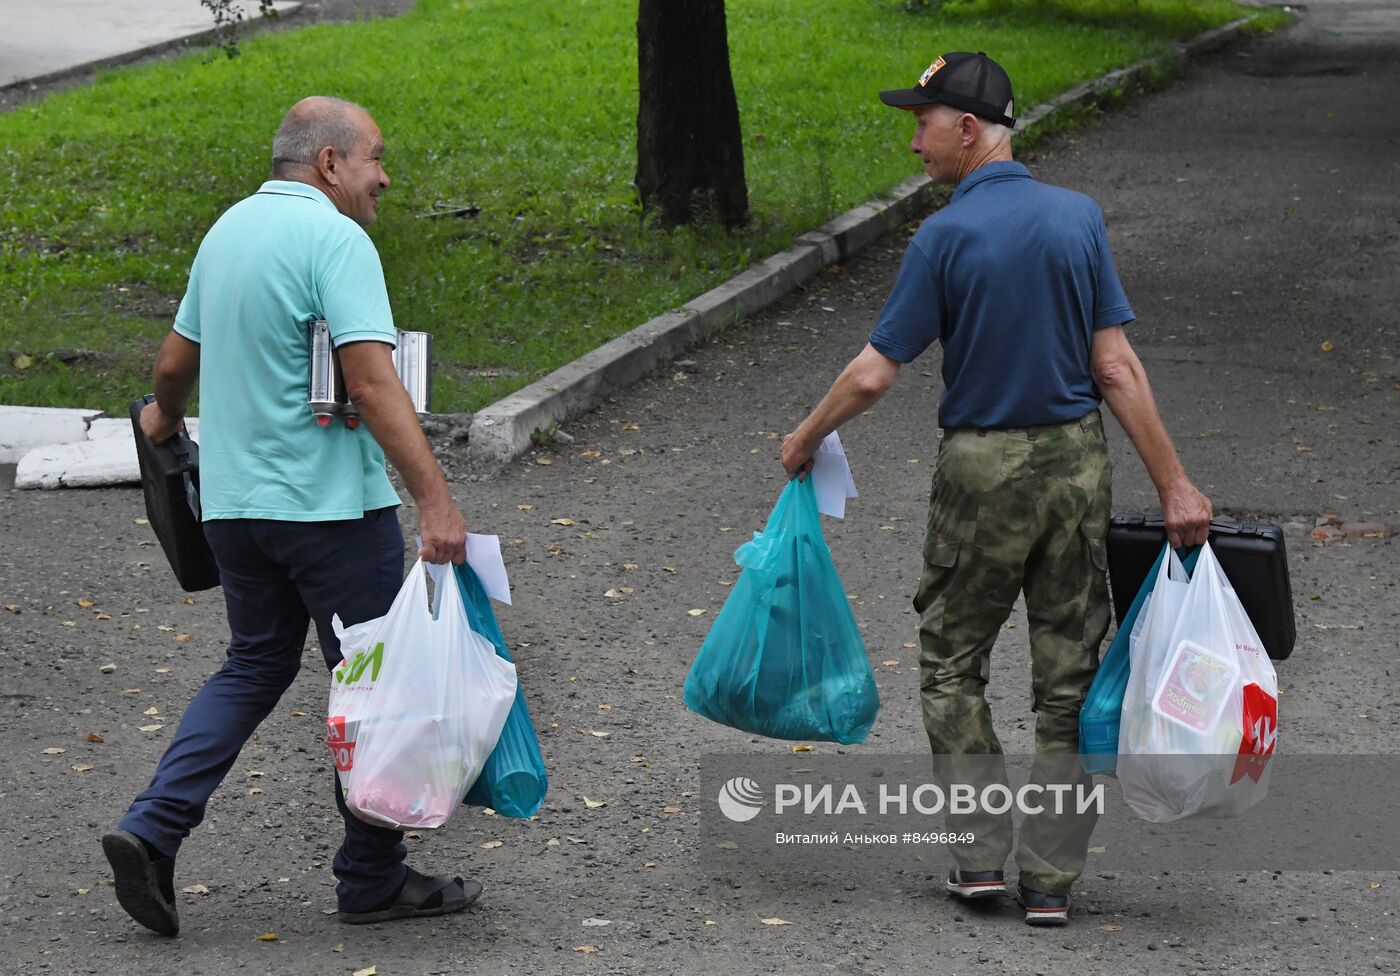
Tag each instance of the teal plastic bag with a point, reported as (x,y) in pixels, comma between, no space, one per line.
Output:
(513,782)
(1103,705)
(784,657)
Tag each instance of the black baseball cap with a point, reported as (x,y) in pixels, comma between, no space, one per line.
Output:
(972,82)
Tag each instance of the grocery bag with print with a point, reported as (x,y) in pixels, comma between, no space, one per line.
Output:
(1200,716)
(416,707)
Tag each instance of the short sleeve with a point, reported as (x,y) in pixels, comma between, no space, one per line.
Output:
(1110,301)
(912,318)
(187,317)
(353,298)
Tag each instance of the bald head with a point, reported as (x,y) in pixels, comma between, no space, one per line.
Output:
(311,125)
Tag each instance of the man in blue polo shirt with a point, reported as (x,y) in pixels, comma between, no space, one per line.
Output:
(301,518)
(1016,280)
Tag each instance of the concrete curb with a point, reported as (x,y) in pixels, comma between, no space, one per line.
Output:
(502,431)
(198,38)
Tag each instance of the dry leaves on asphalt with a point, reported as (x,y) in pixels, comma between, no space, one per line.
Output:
(54,751)
(695,613)
(367,971)
(267,937)
(775,921)
(195,889)
(589,949)
(491,845)
(594,804)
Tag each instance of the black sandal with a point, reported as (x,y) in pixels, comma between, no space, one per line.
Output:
(419,897)
(145,885)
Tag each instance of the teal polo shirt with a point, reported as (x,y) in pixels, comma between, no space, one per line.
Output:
(270,265)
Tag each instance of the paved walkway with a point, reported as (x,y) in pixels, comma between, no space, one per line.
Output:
(45,37)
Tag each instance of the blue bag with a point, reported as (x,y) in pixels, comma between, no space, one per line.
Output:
(785,658)
(513,781)
(1103,705)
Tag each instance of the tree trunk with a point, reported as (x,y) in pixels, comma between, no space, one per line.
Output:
(690,154)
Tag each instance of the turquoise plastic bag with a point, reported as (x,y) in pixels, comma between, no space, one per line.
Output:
(784,657)
(513,781)
(1103,705)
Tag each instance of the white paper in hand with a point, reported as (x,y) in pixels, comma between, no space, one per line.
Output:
(484,556)
(831,477)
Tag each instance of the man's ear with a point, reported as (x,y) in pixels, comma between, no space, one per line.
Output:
(325,165)
(968,128)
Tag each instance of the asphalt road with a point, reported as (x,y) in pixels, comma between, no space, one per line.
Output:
(1253,213)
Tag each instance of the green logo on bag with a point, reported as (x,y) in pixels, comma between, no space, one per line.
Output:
(357,665)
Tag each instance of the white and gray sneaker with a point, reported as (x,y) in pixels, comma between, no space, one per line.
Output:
(974,885)
(1043,909)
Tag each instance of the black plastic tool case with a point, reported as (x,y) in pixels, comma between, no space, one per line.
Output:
(170,482)
(1251,553)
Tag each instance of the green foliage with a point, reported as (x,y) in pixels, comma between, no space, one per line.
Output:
(525,109)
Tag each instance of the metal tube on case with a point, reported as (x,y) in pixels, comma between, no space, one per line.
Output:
(413,360)
(321,387)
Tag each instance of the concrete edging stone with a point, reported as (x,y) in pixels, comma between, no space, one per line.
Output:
(502,431)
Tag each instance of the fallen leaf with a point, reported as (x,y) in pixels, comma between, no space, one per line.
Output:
(774,921)
(561,521)
(594,804)
(801,748)
(1110,928)
(1375,885)
(613,594)
(54,751)
(94,737)
(413,835)
(85,602)
(544,461)
(131,691)
(596,922)
(491,845)
(164,629)
(672,810)
(590,949)
(149,728)
(107,668)
(23,362)
(80,767)
(630,427)
(695,613)
(668,569)
(182,637)
(255,774)
(629,566)
(1328,347)
(187,600)
(151,711)
(591,454)
(525,508)
(195,889)
(552,842)
(141,521)
(890,664)
(12,607)
(649,864)
(162,670)
(907,647)
(256,791)
(596,734)
(83,891)
(298,713)
(367,971)
(69,623)
(267,937)
(710,921)
(104,616)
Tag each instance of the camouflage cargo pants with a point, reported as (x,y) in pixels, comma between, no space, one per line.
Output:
(1013,511)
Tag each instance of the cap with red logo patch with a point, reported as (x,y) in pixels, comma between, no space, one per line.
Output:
(972,82)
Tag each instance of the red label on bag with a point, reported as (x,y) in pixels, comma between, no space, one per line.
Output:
(342,749)
(1260,733)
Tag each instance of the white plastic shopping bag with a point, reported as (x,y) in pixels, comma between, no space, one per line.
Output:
(416,706)
(1200,715)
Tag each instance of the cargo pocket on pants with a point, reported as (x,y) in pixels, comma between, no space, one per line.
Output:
(940,559)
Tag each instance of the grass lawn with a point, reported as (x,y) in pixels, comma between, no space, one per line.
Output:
(523,108)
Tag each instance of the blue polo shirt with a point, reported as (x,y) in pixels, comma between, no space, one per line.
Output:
(1014,277)
(271,264)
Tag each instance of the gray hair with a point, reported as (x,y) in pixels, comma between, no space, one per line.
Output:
(312,124)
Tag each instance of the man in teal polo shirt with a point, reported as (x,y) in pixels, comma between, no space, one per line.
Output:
(300,517)
(1016,281)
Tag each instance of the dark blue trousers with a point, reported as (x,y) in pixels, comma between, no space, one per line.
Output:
(276,576)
